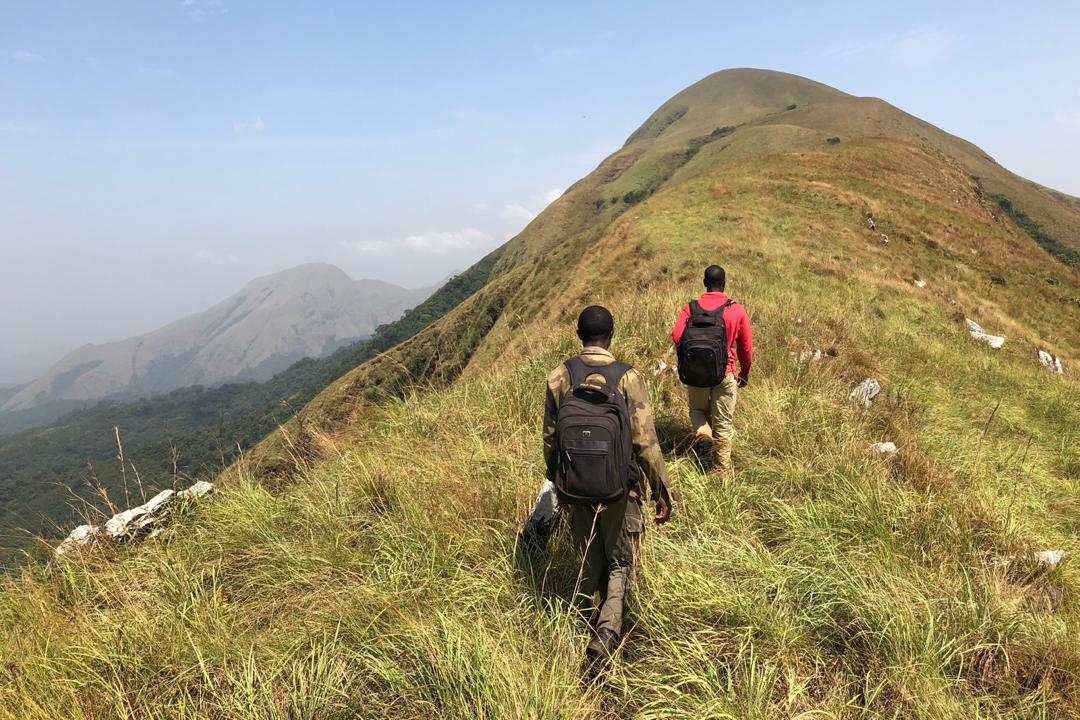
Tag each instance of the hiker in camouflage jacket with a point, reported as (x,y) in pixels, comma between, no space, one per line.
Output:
(607,535)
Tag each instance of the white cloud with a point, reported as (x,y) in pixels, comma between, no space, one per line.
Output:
(255,125)
(439,243)
(551,195)
(199,10)
(518,215)
(429,243)
(25,56)
(1069,118)
(515,214)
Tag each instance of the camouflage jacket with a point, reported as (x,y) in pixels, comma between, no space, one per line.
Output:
(642,428)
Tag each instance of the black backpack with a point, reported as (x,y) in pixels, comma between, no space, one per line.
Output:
(594,460)
(703,350)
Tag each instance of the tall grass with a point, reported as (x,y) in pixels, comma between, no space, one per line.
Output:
(386,582)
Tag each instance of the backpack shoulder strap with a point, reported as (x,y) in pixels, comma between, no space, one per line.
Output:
(578,370)
(695,308)
(613,373)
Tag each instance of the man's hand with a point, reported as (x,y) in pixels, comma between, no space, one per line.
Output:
(742,380)
(663,510)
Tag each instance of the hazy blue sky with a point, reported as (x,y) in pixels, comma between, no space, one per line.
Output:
(156,155)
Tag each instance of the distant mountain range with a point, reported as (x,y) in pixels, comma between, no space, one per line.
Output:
(306,311)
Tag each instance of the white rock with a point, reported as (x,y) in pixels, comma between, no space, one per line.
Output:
(865,392)
(661,366)
(1051,362)
(1050,559)
(883,448)
(1045,559)
(195,491)
(884,238)
(545,511)
(994,341)
(920,284)
(130,522)
(80,536)
(807,356)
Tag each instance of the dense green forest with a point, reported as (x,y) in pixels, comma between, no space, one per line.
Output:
(49,476)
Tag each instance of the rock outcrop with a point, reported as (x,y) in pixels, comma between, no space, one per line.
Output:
(865,392)
(80,536)
(994,341)
(883,448)
(134,523)
(1051,362)
(125,525)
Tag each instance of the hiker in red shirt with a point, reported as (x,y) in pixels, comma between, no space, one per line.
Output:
(711,333)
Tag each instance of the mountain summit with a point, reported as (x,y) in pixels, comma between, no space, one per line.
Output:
(273,321)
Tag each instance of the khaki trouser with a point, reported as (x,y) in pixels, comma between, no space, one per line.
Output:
(607,536)
(712,411)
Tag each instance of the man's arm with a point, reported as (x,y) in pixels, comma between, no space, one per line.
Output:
(680,324)
(558,384)
(643,432)
(744,345)
(551,408)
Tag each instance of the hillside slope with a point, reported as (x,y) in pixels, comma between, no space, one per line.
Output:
(363,563)
(306,311)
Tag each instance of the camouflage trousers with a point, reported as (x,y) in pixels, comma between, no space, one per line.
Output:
(712,412)
(607,537)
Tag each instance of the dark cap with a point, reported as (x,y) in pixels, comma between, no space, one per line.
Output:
(595,321)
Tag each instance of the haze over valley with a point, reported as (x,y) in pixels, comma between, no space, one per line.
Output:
(273,321)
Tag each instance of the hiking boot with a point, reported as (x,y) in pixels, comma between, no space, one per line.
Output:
(535,537)
(702,447)
(601,648)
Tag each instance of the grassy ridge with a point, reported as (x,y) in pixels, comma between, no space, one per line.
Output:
(386,582)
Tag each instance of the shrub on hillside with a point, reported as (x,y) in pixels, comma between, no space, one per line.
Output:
(1036,232)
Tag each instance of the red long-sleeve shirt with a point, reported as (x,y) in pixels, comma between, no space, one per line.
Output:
(737,322)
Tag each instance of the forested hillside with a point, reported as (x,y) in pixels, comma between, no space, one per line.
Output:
(45,473)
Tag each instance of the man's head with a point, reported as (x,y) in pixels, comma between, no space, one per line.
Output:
(715,279)
(595,326)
